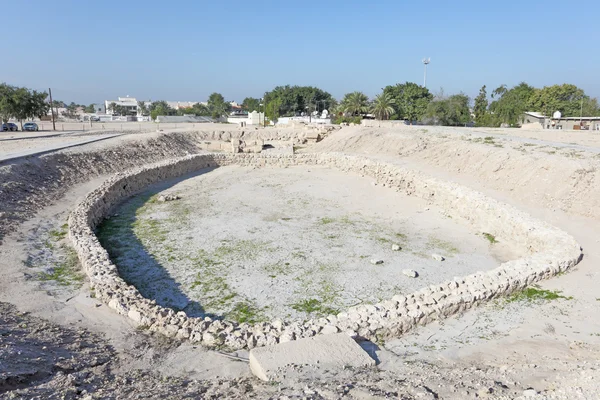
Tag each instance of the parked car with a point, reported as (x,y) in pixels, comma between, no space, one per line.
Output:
(10,127)
(31,126)
(95,119)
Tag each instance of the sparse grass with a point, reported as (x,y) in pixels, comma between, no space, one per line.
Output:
(246,312)
(326,220)
(313,306)
(67,272)
(490,140)
(343,220)
(491,238)
(535,294)
(58,235)
(277,269)
(384,240)
(435,243)
(242,249)
(401,236)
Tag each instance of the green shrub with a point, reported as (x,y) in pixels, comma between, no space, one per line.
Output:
(339,120)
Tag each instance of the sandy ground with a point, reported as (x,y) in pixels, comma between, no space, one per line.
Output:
(506,350)
(287,243)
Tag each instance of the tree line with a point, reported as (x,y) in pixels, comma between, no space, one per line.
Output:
(403,101)
(508,105)
(21,103)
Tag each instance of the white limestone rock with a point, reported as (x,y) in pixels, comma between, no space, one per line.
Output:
(437,257)
(411,273)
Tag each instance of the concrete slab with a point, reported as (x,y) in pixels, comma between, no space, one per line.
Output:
(329,351)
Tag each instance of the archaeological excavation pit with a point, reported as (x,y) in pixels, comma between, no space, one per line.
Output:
(254,244)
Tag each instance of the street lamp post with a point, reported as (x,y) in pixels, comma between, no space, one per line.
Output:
(265,111)
(426,62)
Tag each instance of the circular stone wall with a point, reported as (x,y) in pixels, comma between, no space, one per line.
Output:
(252,244)
(548,251)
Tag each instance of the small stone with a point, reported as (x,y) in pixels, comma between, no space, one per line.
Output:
(376,261)
(437,257)
(168,197)
(529,393)
(374,183)
(396,247)
(411,273)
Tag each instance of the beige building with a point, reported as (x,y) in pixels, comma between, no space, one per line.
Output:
(535,119)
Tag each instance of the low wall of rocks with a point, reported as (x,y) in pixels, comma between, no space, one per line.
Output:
(549,250)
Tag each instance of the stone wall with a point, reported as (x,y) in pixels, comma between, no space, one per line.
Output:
(550,251)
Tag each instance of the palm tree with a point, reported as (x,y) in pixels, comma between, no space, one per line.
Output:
(355,103)
(113,107)
(143,110)
(383,106)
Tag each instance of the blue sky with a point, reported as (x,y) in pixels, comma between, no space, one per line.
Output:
(184,50)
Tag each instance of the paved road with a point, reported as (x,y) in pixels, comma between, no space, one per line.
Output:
(38,151)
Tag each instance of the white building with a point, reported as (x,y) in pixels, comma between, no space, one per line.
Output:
(183,104)
(130,105)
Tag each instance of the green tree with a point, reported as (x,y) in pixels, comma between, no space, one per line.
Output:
(566,98)
(355,103)
(21,103)
(251,104)
(160,107)
(510,104)
(217,105)
(481,108)
(294,100)
(143,108)
(410,100)
(273,110)
(382,106)
(451,111)
(7,103)
(90,109)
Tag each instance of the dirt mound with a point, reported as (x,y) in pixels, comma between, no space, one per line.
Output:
(34,182)
(552,177)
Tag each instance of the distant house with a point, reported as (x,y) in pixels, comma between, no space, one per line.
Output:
(130,105)
(532,117)
(183,104)
(559,122)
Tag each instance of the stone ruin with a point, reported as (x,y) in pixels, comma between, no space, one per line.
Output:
(550,251)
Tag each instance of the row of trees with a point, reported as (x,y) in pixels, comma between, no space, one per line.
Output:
(289,101)
(406,101)
(216,107)
(403,101)
(508,105)
(21,103)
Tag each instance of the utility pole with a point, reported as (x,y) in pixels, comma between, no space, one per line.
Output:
(426,61)
(52,109)
(265,110)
